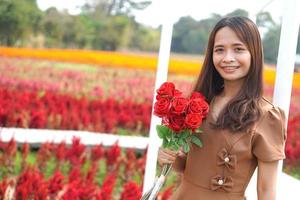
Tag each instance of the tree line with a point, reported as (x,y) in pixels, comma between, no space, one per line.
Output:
(111,25)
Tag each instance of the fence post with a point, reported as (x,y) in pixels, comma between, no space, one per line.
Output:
(285,65)
(161,76)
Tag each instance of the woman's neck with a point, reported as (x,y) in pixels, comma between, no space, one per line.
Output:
(231,89)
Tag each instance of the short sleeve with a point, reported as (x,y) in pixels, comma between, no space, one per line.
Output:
(270,136)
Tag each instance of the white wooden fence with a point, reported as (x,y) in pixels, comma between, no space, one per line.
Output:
(288,186)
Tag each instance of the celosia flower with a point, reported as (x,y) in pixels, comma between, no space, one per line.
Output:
(131,191)
(44,154)
(112,155)
(76,154)
(167,193)
(56,183)
(30,184)
(97,153)
(108,186)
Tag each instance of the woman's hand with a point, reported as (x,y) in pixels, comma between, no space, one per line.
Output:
(167,156)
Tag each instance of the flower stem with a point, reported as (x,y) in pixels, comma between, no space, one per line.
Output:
(152,193)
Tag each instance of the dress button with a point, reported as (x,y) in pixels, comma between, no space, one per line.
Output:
(226,159)
(220,182)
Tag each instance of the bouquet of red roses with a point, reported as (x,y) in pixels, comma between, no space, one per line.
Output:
(181,121)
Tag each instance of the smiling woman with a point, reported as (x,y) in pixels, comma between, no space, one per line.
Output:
(241,127)
(231,57)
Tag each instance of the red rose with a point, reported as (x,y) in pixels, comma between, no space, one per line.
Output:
(195,106)
(193,120)
(177,93)
(179,105)
(176,122)
(205,108)
(198,106)
(197,95)
(161,107)
(166,90)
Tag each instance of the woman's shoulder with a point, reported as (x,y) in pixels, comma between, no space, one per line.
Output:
(267,106)
(270,114)
(270,133)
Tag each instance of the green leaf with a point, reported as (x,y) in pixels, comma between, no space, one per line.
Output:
(185,134)
(162,131)
(165,143)
(169,133)
(176,146)
(196,141)
(181,141)
(198,130)
(186,147)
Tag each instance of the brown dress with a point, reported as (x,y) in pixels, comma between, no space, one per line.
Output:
(223,167)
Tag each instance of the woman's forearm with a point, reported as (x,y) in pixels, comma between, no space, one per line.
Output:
(266,194)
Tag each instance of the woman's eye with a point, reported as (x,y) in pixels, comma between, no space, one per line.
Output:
(218,50)
(239,49)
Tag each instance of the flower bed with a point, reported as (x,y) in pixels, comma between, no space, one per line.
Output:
(79,79)
(58,171)
(103,58)
(57,111)
(43,94)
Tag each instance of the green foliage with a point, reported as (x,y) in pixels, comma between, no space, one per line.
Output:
(191,36)
(116,33)
(271,44)
(18,20)
(181,30)
(110,25)
(195,41)
(293,170)
(144,38)
(238,12)
(174,140)
(264,19)
(115,7)
(103,25)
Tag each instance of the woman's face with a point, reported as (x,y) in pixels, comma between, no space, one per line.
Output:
(231,57)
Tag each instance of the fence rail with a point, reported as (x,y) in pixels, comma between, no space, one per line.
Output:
(38,136)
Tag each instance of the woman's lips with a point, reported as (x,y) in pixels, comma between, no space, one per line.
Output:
(229,69)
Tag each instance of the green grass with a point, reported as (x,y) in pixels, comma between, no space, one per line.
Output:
(293,171)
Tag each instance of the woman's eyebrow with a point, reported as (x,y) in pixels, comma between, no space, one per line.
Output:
(219,45)
(234,44)
(238,44)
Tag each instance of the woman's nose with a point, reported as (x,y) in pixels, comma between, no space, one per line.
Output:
(228,57)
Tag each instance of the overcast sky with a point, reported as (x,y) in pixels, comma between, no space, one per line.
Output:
(174,9)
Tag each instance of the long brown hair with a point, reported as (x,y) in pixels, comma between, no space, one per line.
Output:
(243,110)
